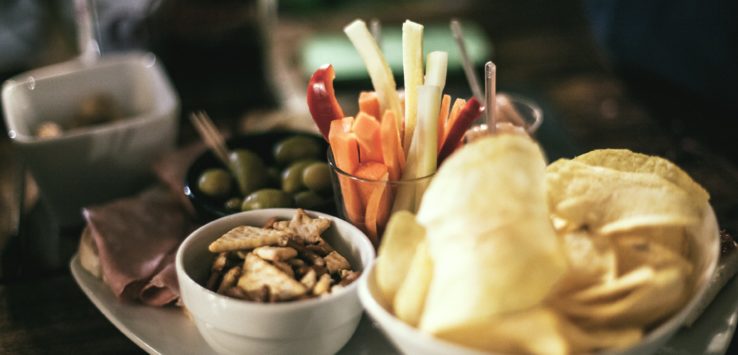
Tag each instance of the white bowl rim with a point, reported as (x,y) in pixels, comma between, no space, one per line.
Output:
(374,309)
(364,245)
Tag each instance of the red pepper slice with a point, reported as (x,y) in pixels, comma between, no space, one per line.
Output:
(322,100)
(468,114)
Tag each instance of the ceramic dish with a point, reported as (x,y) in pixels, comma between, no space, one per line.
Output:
(319,325)
(262,144)
(169,331)
(704,246)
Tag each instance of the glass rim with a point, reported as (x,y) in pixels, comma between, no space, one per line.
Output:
(334,167)
(534,107)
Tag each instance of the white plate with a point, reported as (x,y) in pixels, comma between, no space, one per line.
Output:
(169,331)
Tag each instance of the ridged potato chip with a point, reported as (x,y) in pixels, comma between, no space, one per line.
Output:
(592,260)
(605,201)
(628,161)
(653,298)
(487,226)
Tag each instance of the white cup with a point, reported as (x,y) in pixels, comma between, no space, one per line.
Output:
(96,163)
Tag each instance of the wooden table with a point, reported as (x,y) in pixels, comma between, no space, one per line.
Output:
(546,54)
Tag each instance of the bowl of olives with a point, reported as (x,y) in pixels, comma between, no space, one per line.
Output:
(279,169)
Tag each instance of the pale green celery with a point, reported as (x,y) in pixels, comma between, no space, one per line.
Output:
(429,103)
(421,160)
(436,68)
(376,65)
(412,66)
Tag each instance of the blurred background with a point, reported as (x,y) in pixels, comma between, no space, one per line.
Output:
(657,77)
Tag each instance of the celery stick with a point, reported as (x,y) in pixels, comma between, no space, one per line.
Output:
(376,65)
(412,65)
(421,160)
(426,135)
(436,67)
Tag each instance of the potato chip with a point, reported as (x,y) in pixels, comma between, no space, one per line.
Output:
(592,338)
(592,260)
(643,306)
(487,225)
(539,330)
(410,298)
(628,161)
(606,201)
(636,250)
(533,331)
(611,290)
(399,242)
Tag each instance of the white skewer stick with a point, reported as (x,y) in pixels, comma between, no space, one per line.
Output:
(490,89)
(471,77)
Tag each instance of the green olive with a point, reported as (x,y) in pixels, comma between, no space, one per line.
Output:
(267,198)
(214,182)
(317,177)
(233,204)
(296,148)
(292,176)
(249,170)
(310,200)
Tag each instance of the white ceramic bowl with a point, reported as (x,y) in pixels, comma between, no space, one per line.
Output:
(705,245)
(92,164)
(232,326)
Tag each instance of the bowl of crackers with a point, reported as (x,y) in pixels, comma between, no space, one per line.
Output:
(276,281)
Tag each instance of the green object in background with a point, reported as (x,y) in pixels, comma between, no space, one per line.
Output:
(336,49)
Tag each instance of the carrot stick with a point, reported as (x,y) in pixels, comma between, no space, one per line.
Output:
(468,114)
(442,117)
(377,210)
(394,155)
(366,129)
(370,171)
(347,123)
(452,117)
(369,103)
(346,156)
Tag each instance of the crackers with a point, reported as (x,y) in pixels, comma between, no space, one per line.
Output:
(286,260)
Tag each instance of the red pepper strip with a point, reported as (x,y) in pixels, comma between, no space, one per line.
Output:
(321,99)
(468,114)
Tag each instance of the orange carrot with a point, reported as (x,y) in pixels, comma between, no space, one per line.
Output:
(452,117)
(442,117)
(347,123)
(346,156)
(369,171)
(377,210)
(369,103)
(366,129)
(394,155)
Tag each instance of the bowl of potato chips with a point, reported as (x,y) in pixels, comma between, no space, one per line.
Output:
(604,253)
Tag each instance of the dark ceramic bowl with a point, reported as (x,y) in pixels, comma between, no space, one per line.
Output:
(210,208)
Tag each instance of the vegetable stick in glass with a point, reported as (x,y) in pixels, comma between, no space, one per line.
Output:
(429,102)
(412,66)
(366,129)
(436,67)
(321,99)
(369,103)
(376,65)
